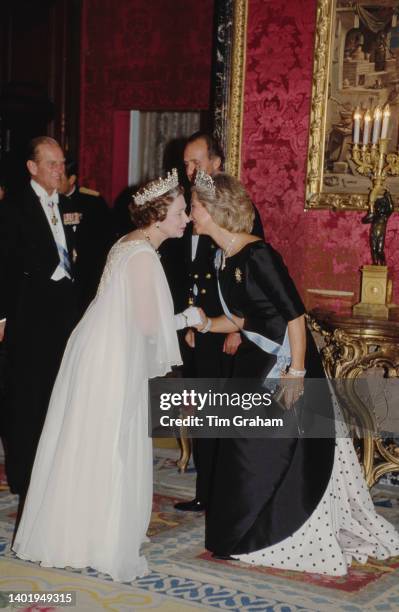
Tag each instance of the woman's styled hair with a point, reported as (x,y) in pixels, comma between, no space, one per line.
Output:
(228,204)
(155,209)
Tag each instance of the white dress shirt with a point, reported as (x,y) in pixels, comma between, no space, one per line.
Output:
(194,247)
(57,229)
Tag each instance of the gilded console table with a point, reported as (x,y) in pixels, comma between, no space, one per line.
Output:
(353,345)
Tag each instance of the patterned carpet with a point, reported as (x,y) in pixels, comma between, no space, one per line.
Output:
(184,576)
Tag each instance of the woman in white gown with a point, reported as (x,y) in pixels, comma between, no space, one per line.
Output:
(297,504)
(89,500)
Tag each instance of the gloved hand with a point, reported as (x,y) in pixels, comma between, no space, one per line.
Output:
(188,318)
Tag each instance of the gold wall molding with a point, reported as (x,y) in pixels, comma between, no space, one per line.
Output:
(237,84)
(319,101)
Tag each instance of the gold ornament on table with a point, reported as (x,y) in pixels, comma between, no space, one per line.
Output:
(373,160)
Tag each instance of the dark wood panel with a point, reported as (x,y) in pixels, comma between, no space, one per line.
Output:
(39,71)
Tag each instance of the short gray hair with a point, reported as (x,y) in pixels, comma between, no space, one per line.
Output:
(35,143)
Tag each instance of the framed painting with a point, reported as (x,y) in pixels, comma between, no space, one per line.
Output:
(355,70)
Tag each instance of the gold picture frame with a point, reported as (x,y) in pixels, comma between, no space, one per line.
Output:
(237,84)
(353,67)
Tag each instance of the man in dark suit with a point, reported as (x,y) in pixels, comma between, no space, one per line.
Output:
(37,303)
(92,232)
(209,355)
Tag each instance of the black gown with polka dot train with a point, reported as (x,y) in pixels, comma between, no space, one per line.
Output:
(297,504)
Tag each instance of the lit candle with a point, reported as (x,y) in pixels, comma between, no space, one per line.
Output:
(366,131)
(356,126)
(385,121)
(376,124)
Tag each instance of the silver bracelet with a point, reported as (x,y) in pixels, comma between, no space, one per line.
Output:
(207,327)
(298,373)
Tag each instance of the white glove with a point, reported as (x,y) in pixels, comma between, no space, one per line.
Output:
(187,318)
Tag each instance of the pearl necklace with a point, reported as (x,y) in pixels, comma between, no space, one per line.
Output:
(147,237)
(227,251)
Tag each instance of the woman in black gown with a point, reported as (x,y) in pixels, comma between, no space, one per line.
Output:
(271,498)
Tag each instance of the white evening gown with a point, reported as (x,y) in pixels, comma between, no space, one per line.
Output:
(90,494)
(344,526)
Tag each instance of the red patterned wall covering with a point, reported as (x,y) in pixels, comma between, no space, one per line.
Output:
(140,55)
(322,249)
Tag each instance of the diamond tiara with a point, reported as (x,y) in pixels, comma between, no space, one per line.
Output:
(157,188)
(204,181)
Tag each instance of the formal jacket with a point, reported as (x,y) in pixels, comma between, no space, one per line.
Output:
(40,313)
(27,247)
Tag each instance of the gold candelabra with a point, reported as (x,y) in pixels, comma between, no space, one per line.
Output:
(373,160)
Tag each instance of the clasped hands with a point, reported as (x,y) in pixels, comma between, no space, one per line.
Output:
(291,386)
(231,342)
(191,317)
(199,325)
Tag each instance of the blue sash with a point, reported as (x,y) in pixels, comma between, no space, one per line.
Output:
(281,351)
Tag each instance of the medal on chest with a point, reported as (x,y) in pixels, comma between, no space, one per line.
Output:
(53,216)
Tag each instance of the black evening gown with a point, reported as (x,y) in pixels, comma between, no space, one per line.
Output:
(263,490)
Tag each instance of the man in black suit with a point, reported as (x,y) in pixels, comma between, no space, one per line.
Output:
(37,303)
(209,355)
(90,219)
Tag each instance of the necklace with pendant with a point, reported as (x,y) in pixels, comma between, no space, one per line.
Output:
(53,217)
(227,251)
(147,237)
